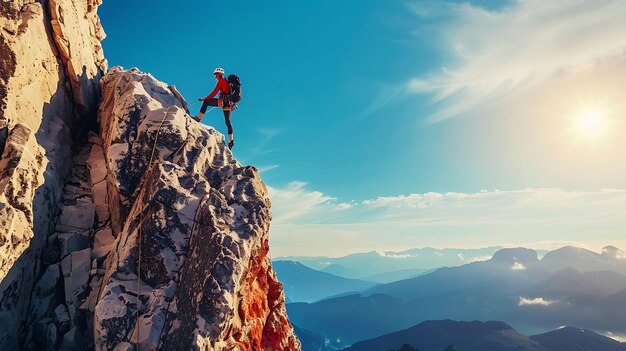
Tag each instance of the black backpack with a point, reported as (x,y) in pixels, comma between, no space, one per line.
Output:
(235,88)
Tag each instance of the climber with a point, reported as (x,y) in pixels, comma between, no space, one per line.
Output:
(222,87)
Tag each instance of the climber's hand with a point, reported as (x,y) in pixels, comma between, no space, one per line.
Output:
(200,99)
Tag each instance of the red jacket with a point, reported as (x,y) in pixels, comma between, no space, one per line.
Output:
(222,87)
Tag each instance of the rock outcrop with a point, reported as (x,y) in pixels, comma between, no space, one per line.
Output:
(191,226)
(45,94)
(145,232)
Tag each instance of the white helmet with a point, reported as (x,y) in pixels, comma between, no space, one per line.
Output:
(219,70)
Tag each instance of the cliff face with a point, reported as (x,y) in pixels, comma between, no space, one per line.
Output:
(193,224)
(145,232)
(45,93)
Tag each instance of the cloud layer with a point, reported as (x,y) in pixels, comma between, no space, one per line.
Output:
(308,222)
(499,52)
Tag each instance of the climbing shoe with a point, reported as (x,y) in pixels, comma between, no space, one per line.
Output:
(231,144)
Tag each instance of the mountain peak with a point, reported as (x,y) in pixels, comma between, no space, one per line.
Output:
(512,255)
(614,252)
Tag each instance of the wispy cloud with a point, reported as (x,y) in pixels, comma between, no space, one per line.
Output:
(307,221)
(267,134)
(499,52)
(267,168)
(537,301)
(293,202)
(527,205)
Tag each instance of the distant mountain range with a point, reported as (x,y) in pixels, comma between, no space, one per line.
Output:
(313,342)
(303,284)
(378,266)
(491,336)
(514,286)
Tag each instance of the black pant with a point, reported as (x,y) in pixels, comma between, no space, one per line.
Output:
(214,102)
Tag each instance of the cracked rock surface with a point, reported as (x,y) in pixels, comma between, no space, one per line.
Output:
(45,95)
(194,223)
(107,242)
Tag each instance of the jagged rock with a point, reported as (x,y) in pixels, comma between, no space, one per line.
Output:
(201,222)
(97,167)
(34,94)
(4,134)
(45,335)
(72,191)
(94,139)
(71,242)
(76,272)
(16,192)
(206,279)
(44,294)
(62,318)
(124,347)
(78,32)
(72,341)
(78,217)
(101,202)
(98,172)
(102,243)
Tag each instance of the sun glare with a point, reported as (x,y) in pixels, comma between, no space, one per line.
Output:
(592,124)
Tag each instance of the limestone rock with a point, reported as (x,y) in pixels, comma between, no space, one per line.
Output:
(193,223)
(77,33)
(166,247)
(38,112)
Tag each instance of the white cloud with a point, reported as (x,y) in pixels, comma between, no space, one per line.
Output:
(393,255)
(345,205)
(538,301)
(309,222)
(500,52)
(518,266)
(294,202)
(614,252)
(527,205)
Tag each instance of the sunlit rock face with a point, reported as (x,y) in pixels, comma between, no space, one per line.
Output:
(192,221)
(124,224)
(45,94)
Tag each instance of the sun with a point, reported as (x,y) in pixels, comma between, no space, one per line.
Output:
(592,124)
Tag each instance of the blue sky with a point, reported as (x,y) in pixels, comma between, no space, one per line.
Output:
(358,112)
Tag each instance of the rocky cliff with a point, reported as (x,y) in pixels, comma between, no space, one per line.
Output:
(46,92)
(145,233)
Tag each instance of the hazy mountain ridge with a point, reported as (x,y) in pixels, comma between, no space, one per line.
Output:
(514,286)
(412,262)
(304,284)
(490,335)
